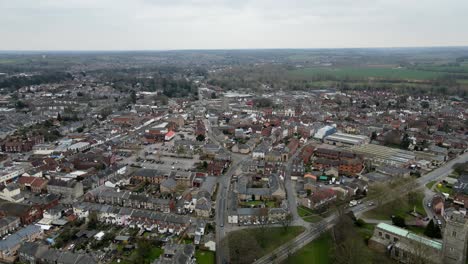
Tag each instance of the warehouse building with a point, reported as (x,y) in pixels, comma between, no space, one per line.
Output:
(343,139)
(381,155)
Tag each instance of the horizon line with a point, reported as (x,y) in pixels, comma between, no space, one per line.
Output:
(221,49)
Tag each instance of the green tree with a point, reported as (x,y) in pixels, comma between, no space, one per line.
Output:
(133,97)
(398,221)
(241,247)
(432,230)
(92,220)
(405,142)
(200,137)
(20,104)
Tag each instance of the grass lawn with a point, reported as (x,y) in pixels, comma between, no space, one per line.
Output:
(308,215)
(430,184)
(444,188)
(316,252)
(276,236)
(155,253)
(399,207)
(266,239)
(205,257)
(366,230)
(304,211)
(312,218)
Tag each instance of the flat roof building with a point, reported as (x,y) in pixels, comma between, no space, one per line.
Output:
(382,155)
(343,139)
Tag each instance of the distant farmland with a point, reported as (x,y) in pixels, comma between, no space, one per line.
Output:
(367,72)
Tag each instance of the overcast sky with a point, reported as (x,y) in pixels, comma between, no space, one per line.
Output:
(230,24)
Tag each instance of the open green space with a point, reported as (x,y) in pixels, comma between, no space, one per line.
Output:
(312,218)
(316,252)
(304,211)
(388,72)
(155,253)
(257,242)
(205,257)
(275,236)
(401,207)
(133,256)
(430,184)
(308,215)
(366,230)
(444,188)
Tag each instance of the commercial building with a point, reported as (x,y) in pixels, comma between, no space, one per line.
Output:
(381,155)
(324,131)
(343,139)
(68,189)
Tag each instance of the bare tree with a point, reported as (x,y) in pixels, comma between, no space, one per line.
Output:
(348,247)
(240,247)
(286,221)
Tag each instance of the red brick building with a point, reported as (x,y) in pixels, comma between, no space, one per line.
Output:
(35,184)
(27,213)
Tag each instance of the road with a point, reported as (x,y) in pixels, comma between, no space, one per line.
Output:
(282,252)
(291,192)
(222,198)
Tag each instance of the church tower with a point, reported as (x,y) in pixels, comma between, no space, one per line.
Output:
(455,239)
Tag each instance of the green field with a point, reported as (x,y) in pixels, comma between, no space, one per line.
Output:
(316,252)
(430,184)
(276,236)
(400,207)
(367,72)
(308,215)
(444,189)
(154,254)
(205,257)
(258,241)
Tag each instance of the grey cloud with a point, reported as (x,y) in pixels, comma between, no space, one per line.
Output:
(181,24)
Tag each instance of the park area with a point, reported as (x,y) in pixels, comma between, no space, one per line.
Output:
(205,257)
(308,215)
(244,246)
(316,252)
(400,207)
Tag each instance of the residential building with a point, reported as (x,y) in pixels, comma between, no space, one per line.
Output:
(35,253)
(10,245)
(8,224)
(27,213)
(177,254)
(69,189)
